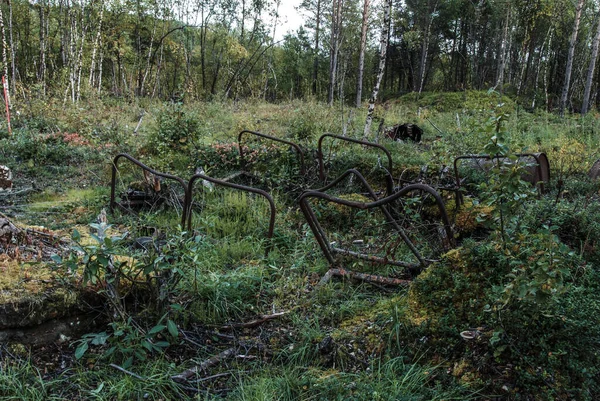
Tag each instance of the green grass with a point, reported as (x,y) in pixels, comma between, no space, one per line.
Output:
(387,343)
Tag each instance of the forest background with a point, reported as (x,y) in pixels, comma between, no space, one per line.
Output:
(543,52)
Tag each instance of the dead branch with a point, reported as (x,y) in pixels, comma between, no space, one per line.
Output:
(13,193)
(137,127)
(253,323)
(130,373)
(214,360)
(369,278)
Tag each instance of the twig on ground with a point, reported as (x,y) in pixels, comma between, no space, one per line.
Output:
(130,373)
(369,278)
(253,323)
(21,192)
(185,375)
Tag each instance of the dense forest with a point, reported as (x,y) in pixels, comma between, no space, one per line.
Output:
(542,51)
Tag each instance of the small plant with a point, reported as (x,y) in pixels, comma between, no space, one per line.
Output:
(505,190)
(107,266)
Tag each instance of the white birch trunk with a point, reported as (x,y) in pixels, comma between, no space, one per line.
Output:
(361,56)
(569,68)
(591,68)
(92,80)
(502,61)
(4,58)
(383,43)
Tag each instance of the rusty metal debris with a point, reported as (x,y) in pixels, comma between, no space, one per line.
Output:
(394,220)
(136,199)
(594,172)
(296,147)
(29,244)
(189,201)
(389,181)
(537,170)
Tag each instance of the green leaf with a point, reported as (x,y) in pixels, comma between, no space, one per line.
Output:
(81,349)
(172,327)
(128,363)
(57,259)
(75,236)
(103,260)
(157,329)
(100,338)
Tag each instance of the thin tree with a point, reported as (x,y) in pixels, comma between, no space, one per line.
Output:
(569,68)
(361,56)
(425,46)
(12,46)
(383,44)
(4,58)
(334,49)
(316,50)
(591,68)
(503,52)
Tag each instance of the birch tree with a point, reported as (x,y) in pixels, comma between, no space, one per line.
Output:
(4,59)
(334,49)
(591,68)
(569,67)
(383,44)
(361,55)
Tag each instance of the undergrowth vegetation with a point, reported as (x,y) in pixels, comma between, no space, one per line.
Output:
(511,312)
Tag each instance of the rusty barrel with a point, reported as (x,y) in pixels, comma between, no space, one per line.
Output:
(539,171)
(595,170)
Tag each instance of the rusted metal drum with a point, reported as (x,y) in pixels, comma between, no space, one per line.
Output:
(539,172)
(595,170)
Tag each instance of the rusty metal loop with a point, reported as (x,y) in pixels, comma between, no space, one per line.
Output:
(240,187)
(388,176)
(542,169)
(329,251)
(150,170)
(298,149)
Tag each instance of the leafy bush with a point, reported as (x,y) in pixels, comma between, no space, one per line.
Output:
(177,131)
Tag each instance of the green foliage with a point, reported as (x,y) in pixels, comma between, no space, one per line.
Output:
(391,380)
(48,149)
(20,380)
(504,189)
(126,342)
(177,132)
(103,266)
(470,100)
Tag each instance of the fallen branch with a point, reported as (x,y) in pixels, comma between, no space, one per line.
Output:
(13,193)
(137,127)
(130,373)
(369,278)
(253,323)
(185,375)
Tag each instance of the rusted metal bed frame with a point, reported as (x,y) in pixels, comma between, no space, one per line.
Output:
(330,251)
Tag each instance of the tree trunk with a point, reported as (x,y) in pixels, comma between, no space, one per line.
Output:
(42,68)
(591,68)
(569,68)
(383,43)
(92,79)
(361,56)
(503,53)
(316,51)
(336,26)
(12,46)
(4,58)
(425,48)
(539,66)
